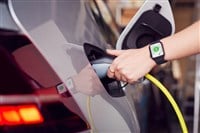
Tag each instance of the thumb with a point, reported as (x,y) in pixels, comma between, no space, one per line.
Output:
(114,52)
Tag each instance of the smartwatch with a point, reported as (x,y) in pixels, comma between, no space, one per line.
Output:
(157,52)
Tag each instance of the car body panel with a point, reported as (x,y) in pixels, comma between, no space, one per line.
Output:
(68,35)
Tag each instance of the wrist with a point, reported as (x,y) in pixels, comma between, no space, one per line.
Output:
(148,57)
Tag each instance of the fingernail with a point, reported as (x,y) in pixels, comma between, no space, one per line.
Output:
(111,70)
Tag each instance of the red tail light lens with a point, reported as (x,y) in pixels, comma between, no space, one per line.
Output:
(30,114)
(22,114)
(9,116)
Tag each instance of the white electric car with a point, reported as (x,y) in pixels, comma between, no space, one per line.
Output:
(44,68)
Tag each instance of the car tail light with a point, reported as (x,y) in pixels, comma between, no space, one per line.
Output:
(30,114)
(21,114)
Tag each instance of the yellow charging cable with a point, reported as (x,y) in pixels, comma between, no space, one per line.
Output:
(91,121)
(171,100)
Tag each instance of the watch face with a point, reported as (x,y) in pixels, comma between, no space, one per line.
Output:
(156,50)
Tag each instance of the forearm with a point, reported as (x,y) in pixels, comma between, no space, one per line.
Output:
(132,64)
(183,43)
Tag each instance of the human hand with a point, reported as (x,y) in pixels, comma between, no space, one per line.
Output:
(87,81)
(130,65)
